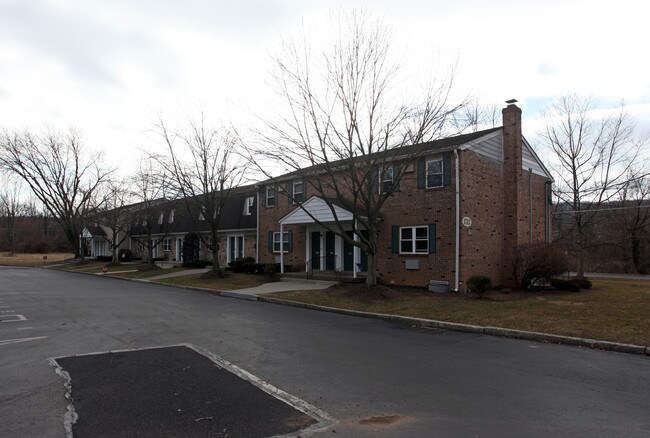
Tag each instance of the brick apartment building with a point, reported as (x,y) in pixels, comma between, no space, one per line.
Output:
(462,207)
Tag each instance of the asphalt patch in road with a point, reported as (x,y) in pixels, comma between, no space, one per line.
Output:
(177,392)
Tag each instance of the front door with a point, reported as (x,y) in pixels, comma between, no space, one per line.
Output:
(315,250)
(330,251)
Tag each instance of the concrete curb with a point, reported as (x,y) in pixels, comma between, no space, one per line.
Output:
(468,328)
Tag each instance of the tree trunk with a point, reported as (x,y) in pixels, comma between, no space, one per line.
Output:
(371,278)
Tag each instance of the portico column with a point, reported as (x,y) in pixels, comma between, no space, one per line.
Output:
(281,248)
(356,252)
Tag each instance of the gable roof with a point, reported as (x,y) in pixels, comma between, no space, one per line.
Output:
(320,210)
(436,146)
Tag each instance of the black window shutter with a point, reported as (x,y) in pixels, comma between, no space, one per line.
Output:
(421,174)
(397,175)
(394,238)
(270,242)
(446,169)
(290,192)
(432,238)
(290,240)
(264,197)
(304,189)
(374,181)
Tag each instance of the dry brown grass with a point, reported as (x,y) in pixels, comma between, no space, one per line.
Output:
(8,259)
(613,310)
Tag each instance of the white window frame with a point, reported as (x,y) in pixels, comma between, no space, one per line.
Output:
(248,204)
(414,239)
(301,192)
(427,173)
(383,179)
(276,242)
(271,189)
(167,245)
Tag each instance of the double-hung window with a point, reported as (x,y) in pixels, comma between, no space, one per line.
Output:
(271,196)
(434,173)
(284,243)
(414,240)
(298,192)
(248,205)
(386,179)
(167,245)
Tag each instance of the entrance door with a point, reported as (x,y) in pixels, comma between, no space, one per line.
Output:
(315,250)
(348,254)
(330,251)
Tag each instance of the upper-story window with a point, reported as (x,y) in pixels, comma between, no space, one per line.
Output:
(160,218)
(434,173)
(386,179)
(271,196)
(298,192)
(171,216)
(248,205)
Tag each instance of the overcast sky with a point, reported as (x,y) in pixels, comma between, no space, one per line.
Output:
(108,67)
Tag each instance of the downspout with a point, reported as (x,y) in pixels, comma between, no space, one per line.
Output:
(548,210)
(257,226)
(457,255)
(530,204)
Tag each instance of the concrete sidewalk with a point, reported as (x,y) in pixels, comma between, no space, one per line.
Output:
(285,284)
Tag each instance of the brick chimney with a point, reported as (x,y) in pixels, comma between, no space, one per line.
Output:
(513,186)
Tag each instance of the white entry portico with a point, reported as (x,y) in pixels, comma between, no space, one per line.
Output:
(324,249)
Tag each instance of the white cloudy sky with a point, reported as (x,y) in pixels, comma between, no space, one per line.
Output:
(108,67)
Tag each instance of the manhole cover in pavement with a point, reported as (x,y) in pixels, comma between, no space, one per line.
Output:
(177,392)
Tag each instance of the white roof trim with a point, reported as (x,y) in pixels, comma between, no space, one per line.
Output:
(477,141)
(316,209)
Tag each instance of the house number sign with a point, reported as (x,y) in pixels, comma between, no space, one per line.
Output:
(467,222)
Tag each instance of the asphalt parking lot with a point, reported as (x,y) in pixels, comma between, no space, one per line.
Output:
(176,391)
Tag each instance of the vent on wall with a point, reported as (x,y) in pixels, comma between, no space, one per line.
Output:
(412,264)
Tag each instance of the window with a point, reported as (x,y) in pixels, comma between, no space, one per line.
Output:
(414,240)
(171,216)
(434,173)
(160,218)
(140,245)
(167,245)
(248,204)
(271,196)
(386,180)
(285,242)
(298,192)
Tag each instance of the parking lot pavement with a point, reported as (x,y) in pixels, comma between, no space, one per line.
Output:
(177,391)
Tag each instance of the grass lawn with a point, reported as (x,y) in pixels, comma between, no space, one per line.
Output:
(231,282)
(613,310)
(33,259)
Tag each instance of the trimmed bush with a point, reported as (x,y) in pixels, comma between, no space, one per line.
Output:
(197,264)
(104,258)
(243,264)
(584,282)
(479,285)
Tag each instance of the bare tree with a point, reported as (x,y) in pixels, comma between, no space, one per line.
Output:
(203,166)
(11,208)
(633,221)
(150,191)
(116,212)
(593,156)
(60,172)
(344,115)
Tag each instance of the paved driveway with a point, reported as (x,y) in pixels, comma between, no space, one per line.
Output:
(376,379)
